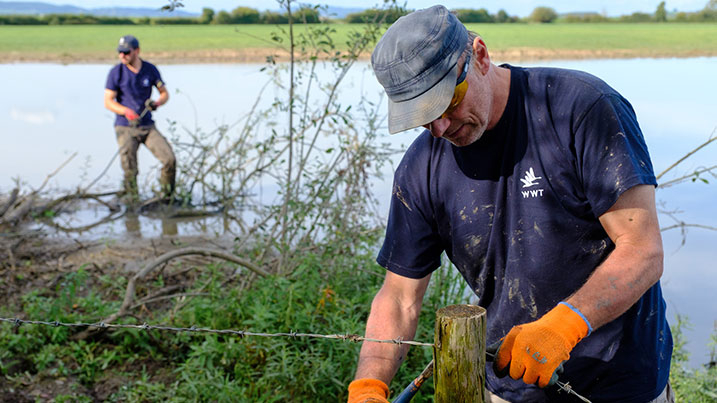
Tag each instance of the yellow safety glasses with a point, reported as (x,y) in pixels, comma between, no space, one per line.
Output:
(461,89)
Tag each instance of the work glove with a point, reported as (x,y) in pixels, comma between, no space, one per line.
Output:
(535,351)
(151,105)
(367,390)
(130,114)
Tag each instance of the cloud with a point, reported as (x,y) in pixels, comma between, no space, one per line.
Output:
(34,118)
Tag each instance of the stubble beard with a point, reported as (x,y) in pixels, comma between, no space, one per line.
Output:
(476,132)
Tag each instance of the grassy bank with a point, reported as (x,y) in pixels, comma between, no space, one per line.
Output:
(135,365)
(45,362)
(253,42)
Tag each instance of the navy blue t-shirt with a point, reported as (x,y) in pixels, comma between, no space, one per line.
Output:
(134,89)
(517,213)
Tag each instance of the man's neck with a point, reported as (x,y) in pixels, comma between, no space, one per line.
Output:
(501,82)
(135,66)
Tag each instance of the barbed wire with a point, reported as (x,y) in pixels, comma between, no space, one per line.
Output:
(240,333)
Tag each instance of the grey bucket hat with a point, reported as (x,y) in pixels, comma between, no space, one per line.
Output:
(416,63)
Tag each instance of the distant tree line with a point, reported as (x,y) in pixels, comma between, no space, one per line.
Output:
(248,15)
(707,14)
(239,15)
(63,19)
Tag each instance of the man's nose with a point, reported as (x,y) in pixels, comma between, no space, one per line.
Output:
(438,127)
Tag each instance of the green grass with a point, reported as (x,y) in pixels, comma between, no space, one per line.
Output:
(178,367)
(99,39)
(680,39)
(677,38)
(208,367)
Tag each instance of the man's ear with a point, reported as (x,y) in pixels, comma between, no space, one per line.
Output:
(482,59)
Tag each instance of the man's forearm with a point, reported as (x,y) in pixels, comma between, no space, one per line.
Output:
(388,320)
(163,97)
(634,265)
(115,107)
(618,283)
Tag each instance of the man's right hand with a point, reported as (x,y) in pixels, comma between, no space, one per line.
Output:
(130,114)
(367,390)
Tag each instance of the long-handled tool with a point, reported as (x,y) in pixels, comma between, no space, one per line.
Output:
(412,388)
(148,106)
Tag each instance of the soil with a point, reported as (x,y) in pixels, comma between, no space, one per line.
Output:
(259,55)
(36,261)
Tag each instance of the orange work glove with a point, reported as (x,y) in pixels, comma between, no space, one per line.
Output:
(535,350)
(367,390)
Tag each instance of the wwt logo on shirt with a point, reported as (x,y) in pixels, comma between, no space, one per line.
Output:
(530,180)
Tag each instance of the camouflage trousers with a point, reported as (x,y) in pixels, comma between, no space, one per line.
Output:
(129,139)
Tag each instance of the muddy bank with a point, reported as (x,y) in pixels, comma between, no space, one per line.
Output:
(260,55)
(36,262)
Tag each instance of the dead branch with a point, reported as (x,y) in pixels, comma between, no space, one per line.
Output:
(16,210)
(163,291)
(10,201)
(109,218)
(684,225)
(701,146)
(184,294)
(49,176)
(132,284)
(104,171)
(79,195)
(16,214)
(693,175)
(11,258)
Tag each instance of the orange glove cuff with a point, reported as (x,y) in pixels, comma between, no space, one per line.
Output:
(566,320)
(365,389)
(580,314)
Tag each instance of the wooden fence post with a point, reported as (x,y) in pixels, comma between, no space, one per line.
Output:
(459,355)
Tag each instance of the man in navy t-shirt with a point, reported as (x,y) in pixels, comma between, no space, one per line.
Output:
(128,93)
(538,186)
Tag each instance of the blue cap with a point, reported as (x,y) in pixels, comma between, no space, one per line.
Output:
(416,62)
(127,43)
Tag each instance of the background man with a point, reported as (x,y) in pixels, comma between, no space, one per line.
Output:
(127,93)
(537,184)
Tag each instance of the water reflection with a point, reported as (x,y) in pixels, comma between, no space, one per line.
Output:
(133,228)
(131,225)
(169,227)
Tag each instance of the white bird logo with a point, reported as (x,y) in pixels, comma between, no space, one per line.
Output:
(530,178)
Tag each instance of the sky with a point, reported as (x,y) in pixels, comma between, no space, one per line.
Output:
(513,7)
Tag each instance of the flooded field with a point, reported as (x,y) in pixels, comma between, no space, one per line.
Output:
(52,111)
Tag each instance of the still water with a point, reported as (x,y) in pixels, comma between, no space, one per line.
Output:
(50,111)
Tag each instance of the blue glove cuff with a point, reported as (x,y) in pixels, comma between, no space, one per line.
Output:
(576,310)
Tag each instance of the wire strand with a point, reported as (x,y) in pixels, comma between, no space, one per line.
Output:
(240,333)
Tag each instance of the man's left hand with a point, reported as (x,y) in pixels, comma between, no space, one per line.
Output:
(151,105)
(368,390)
(535,350)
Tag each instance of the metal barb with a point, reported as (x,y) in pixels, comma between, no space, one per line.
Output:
(564,386)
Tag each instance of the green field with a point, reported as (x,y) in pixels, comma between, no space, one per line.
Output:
(98,41)
(678,38)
